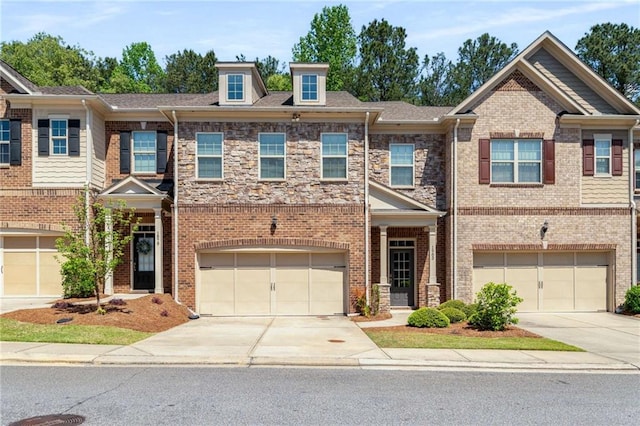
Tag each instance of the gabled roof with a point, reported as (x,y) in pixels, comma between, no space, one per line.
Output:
(17,80)
(384,198)
(399,111)
(568,59)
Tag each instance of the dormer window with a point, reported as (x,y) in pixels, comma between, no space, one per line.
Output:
(309,87)
(235,87)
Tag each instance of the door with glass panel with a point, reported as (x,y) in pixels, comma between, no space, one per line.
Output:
(144,274)
(402,276)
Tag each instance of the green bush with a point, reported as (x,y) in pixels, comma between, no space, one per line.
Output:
(429,318)
(469,309)
(77,278)
(458,304)
(632,300)
(496,307)
(454,315)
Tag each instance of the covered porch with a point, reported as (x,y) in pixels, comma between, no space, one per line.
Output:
(404,235)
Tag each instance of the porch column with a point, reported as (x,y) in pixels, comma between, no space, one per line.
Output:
(433,234)
(384,263)
(108,228)
(157,214)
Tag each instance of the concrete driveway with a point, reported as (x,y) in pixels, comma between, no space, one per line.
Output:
(8,304)
(603,333)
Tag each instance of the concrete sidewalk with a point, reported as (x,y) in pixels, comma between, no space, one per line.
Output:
(298,341)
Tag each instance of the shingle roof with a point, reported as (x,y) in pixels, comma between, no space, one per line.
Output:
(65,90)
(19,77)
(399,110)
(334,100)
(153,100)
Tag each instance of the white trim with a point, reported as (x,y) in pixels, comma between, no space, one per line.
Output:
(244,84)
(606,138)
(221,156)
(415,270)
(133,153)
(413,166)
(58,138)
(317,92)
(345,156)
(283,156)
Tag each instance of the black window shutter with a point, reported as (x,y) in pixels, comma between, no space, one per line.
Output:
(484,161)
(161,154)
(616,157)
(549,167)
(588,168)
(15,142)
(43,138)
(125,152)
(74,138)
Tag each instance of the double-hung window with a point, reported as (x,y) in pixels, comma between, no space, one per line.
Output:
(209,154)
(272,155)
(144,152)
(309,87)
(59,137)
(4,141)
(401,164)
(235,87)
(516,161)
(334,155)
(603,154)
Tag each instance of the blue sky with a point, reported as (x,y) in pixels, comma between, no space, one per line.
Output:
(261,28)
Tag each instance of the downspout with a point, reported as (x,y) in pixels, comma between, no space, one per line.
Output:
(89,171)
(632,202)
(454,192)
(367,278)
(174,207)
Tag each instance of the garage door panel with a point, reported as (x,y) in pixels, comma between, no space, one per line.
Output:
(591,288)
(482,276)
(253,289)
(326,291)
(558,292)
(20,274)
(292,290)
(50,277)
(217,295)
(525,282)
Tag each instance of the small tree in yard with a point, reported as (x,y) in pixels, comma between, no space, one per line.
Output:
(496,307)
(89,252)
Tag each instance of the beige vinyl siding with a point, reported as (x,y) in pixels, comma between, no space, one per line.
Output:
(60,171)
(607,189)
(99,152)
(569,83)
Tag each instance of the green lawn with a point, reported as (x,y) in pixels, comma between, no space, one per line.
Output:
(399,339)
(15,331)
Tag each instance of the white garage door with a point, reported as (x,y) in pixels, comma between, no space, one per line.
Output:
(28,266)
(552,282)
(300,283)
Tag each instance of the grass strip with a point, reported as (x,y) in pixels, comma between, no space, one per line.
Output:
(398,339)
(16,331)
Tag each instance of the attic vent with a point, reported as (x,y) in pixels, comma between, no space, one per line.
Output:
(516,82)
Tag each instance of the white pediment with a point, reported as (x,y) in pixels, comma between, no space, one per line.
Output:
(382,198)
(132,186)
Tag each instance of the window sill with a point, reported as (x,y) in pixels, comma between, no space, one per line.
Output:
(402,186)
(209,180)
(516,185)
(336,180)
(4,166)
(603,176)
(272,180)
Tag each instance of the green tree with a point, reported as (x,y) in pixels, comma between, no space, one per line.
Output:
(105,68)
(88,249)
(138,72)
(331,40)
(48,61)
(434,87)
(279,82)
(189,72)
(388,71)
(478,61)
(613,51)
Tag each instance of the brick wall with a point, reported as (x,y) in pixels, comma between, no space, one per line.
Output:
(339,227)
(38,208)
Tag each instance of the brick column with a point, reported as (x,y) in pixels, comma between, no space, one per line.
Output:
(158,251)
(433,295)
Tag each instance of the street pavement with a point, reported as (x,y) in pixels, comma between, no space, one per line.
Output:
(612,343)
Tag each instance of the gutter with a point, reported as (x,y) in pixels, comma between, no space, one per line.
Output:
(367,275)
(174,207)
(89,169)
(633,206)
(454,207)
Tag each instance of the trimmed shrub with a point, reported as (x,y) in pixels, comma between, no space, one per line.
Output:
(77,278)
(469,309)
(457,304)
(454,315)
(429,318)
(632,300)
(496,307)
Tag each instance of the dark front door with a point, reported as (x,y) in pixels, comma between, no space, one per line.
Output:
(144,274)
(402,286)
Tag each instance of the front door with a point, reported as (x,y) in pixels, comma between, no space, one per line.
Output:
(144,274)
(402,280)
